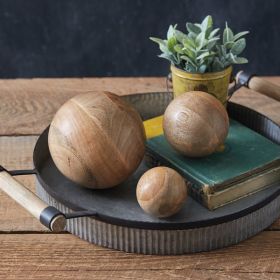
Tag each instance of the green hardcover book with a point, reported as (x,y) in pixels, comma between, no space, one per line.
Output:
(249,163)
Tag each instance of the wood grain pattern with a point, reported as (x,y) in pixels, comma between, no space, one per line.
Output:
(28,106)
(17,152)
(263,86)
(161,191)
(39,256)
(97,140)
(28,200)
(195,124)
(155,274)
(269,89)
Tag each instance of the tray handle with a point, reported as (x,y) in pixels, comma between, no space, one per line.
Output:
(265,87)
(258,84)
(49,216)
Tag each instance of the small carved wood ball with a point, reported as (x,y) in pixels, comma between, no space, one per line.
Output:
(161,192)
(97,140)
(195,124)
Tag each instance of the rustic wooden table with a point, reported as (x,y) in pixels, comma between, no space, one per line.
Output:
(29,251)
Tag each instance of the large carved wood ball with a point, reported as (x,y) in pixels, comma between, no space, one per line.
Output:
(161,192)
(195,124)
(97,140)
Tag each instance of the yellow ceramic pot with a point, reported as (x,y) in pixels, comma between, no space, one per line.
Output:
(215,83)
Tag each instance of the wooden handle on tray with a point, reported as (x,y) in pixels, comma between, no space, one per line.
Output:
(47,215)
(265,87)
(262,86)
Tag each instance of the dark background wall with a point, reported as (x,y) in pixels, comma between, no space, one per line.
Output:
(67,38)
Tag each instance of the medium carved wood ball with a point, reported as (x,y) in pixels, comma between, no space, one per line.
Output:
(161,192)
(97,140)
(195,124)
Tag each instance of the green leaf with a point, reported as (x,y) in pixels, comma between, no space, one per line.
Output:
(219,50)
(180,36)
(202,68)
(212,42)
(241,60)
(208,31)
(164,48)
(228,45)
(179,48)
(171,31)
(168,57)
(190,68)
(189,43)
(171,43)
(190,53)
(206,23)
(186,58)
(214,32)
(193,28)
(217,65)
(178,58)
(238,46)
(192,36)
(238,35)
(211,45)
(227,35)
(231,57)
(213,39)
(162,44)
(204,55)
(224,51)
(200,40)
(157,40)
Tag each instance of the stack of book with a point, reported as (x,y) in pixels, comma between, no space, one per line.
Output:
(248,163)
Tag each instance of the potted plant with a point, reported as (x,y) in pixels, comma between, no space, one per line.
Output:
(202,58)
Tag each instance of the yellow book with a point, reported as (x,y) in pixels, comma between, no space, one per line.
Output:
(153,127)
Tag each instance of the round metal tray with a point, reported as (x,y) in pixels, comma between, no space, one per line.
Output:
(118,221)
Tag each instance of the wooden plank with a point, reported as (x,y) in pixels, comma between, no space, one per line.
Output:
(16,153)
(44,256)
(27,106)
(155,274)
